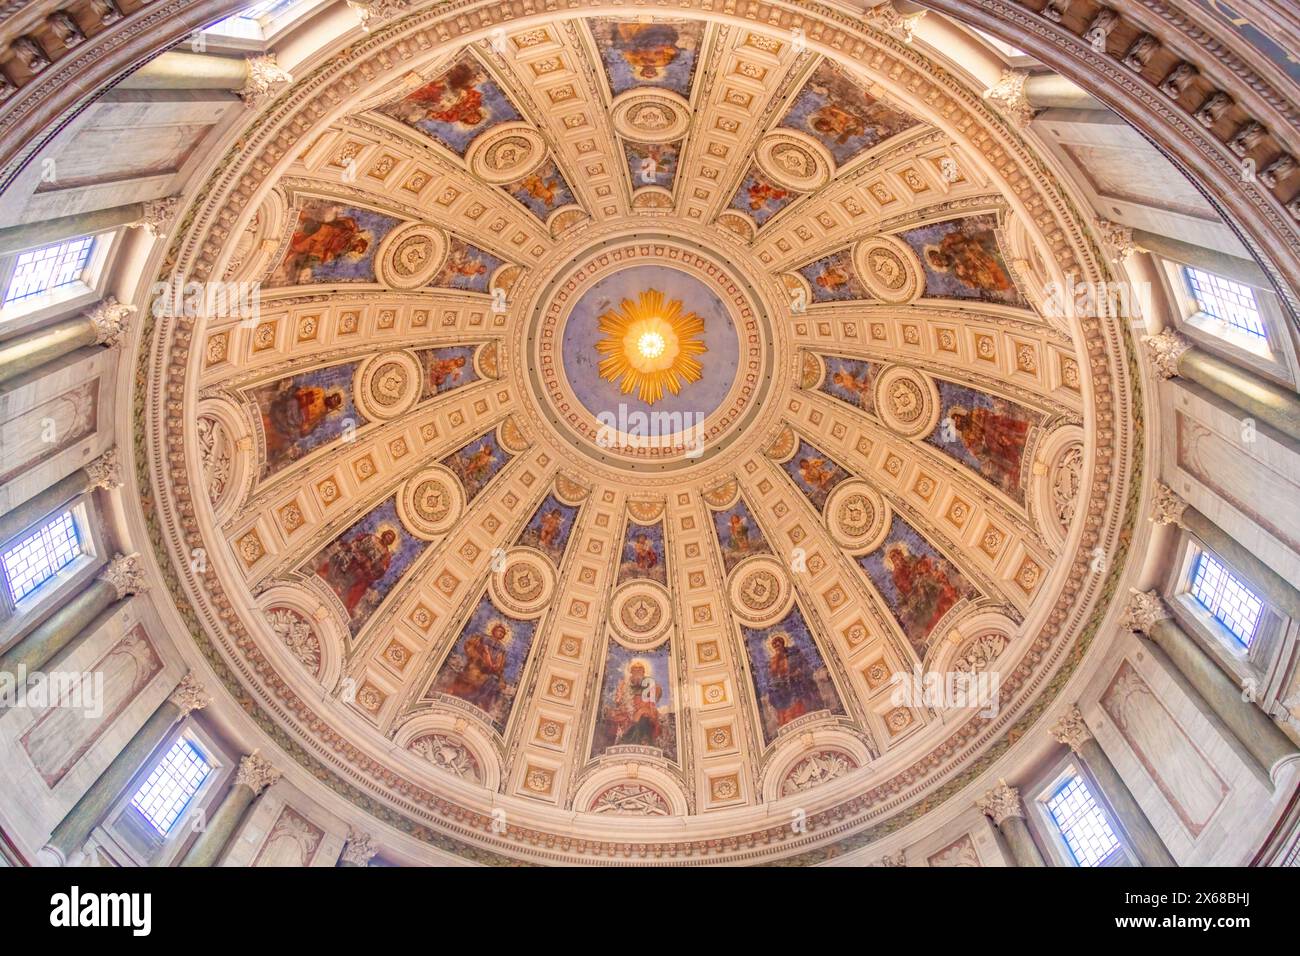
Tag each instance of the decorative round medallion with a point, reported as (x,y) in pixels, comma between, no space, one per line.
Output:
(907,401)
(857,516)
(890,269)
(387,385)
(759,591)
(410,256)
(431,502)
(509,152)
(641,614)
(525,582)
(794,160)
(651,116)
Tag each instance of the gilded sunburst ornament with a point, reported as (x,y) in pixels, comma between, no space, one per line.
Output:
(650,345)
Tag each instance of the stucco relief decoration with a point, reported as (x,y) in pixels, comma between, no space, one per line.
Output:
(448,754)
(410,256)
(298,636)
(431,502)
(907,401)
(816,769)
(890,269)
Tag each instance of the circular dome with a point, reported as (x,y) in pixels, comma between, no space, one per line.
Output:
(630,406)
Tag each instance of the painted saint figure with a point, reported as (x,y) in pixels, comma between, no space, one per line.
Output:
(925,591)
(549,532)
(647,558)
(860,387)
(996,440)
(294,413)
(970,261)
(647,48)
(791,690)
(634,714)
(445,373)
(453,98)
(319,241)
(480,679)
(355,565)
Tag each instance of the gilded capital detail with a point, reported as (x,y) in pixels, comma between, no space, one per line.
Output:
(1142,612)
(1001,802)
(109,319)
(105,471)
(360,849)
(1164,351)
(189,695)
(1008,94)
(256,773)
(126,575)
(1166,506)
(1071,730)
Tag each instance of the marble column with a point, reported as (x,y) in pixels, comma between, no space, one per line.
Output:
(1002,805)
(1147,614)
(70,836)
(255,79)
(102,324)
(1171,354)
(1168,508)
(118,581)
(151,214)
(103,472)
(1211,260)
(254,775)
(1143,839)
(359,850)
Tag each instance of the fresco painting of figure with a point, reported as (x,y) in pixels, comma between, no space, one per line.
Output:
(486,662)
(843,116)
(760,198)
(986,433)
(815,473)
(466,267)
(643,553)
(302,413)
(652,164)
(543,191)
(918,583)
(446,368)
(549,528)
(661,53)
(363,563)
(833,279)
(790,676)
(636,701)
(852,381)
(962,260)
(738,534)
(331,242)
(477,463)
(455,106)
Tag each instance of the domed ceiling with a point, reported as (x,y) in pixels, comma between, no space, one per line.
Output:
(629,405)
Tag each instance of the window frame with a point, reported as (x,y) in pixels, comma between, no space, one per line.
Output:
(16,617)
(50,306)
(1049,835)
(172,846)
(1274,357)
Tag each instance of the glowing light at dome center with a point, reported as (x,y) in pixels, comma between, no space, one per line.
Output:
(650,345)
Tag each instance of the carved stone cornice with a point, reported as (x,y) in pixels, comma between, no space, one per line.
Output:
(265,79)
(360,849)
(1166,506)
(1143,610)
(1071,730)
(256,773)
(1008,95)
(189,695)
(109,319)
(1163,352)
(105,471)
(126,574)
(1001,802)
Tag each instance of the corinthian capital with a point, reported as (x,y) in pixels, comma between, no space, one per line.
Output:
(885,18)
(125,574)
(1164,351)
(158,215)
(1118,238)
(256,773)
(264,79)
(1071,730)
(1166,506)
(105,471)
(1008,95)
(375,13)
(1001,802)
(189,695)
(360,848)
(1143,610)
(109,319)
